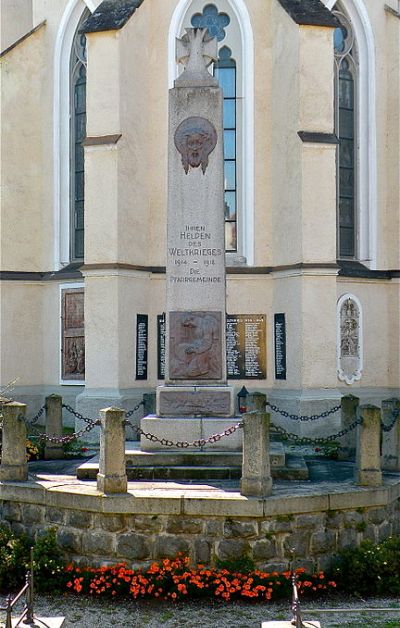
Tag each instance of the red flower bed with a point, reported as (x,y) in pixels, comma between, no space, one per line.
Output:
(174,579)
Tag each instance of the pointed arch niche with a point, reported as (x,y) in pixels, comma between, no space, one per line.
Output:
(235,42)
(349,339)
(73,13)
(365,120)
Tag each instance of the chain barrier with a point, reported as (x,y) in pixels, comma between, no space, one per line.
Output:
(37,416)
(135,409)
(184,444)
(305,440)
(304,417)
(389,426)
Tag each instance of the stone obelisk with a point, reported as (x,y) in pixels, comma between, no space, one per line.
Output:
(195,382)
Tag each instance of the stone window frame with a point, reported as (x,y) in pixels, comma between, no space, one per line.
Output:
(244,56)
(366,185)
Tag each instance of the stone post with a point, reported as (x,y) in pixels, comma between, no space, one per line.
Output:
(391,440)
(112,468)
(368,469)
(349,414)
(54,427)
(256,470)
(13,460)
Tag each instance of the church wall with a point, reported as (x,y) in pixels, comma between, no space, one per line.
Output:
(381,338)
(22,332)
(24,167)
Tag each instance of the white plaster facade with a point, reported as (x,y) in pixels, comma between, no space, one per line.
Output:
(287,262)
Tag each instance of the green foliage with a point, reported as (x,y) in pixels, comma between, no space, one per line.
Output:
(48,564)
(14,552)
(370,569)
(244,564)
(328,449)
(15,560)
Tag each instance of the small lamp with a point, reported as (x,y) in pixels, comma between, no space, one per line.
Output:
(242,399)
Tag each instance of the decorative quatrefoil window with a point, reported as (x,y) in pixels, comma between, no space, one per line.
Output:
(212,20)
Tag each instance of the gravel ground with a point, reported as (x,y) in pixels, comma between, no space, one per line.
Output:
(88,613)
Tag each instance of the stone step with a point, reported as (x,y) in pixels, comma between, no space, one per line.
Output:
(195,465)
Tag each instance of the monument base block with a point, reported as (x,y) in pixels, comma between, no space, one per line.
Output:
(189,429)
(192,401)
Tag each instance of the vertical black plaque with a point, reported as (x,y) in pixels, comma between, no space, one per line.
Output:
(280,346)
(142,328)
(161,346)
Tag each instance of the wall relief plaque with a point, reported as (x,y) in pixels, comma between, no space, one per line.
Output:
(195,138)
(195,348)
(349,342)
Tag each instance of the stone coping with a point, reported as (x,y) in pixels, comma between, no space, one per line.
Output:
(172,498)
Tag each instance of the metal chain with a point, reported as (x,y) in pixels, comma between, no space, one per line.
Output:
(37,416)
(389,426)
(129,414)
(184,444)
(304,417)
(63,440)
(80,416)
(305,440)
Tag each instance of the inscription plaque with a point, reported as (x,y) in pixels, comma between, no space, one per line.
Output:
(246,346)
(142,324)
(280,346)
(195,345)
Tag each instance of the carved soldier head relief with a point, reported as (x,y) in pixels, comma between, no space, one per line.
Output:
(195,138)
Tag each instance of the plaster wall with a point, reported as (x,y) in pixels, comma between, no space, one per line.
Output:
(21,321)
(380,306)
(16,21)
(23,168)
(284,203)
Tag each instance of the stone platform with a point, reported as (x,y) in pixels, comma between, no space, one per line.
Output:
(195,465)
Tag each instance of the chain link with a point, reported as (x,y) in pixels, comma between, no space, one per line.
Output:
(305,440)
(304,417)
(37,416)
(184,444)
(389,426)
(135,409)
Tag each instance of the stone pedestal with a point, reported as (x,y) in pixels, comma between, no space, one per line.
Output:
(391,439)
(112,471)
(54,427)
(13,459)
(368,472)
(256,471)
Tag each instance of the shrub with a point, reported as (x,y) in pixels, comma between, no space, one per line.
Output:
(370,569)
(14,554)
(48,564)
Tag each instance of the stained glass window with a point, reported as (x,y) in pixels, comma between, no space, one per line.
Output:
(77,135)
(345,107)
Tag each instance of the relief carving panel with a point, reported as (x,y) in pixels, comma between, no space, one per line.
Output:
(349,339)
(195,348)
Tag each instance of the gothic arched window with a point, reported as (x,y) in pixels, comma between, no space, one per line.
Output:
(77,135)
(345,124)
